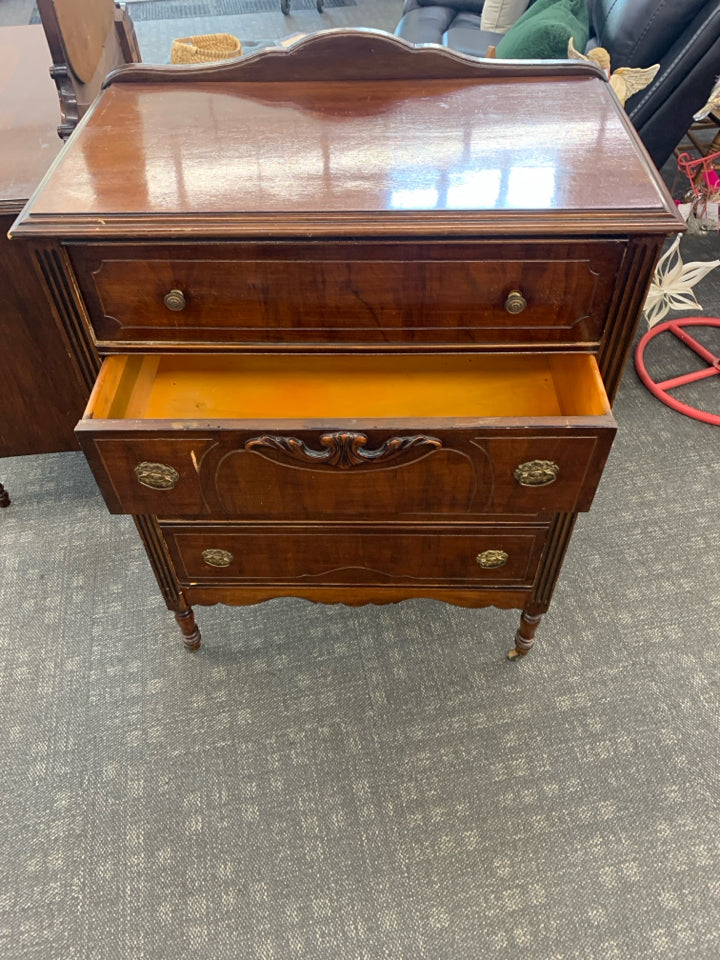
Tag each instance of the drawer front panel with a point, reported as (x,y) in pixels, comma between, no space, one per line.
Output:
(311,475)
(346,292)
(331,556)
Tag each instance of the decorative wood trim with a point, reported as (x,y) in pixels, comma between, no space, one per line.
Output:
(10,207)
(625,311)
(352,54)
(67,97)
(343,450)
(352,225)
(556,545)
(358,596)
(162,567)
(55,270)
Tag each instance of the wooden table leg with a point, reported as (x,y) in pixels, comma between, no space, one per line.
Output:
(525,636)
(190,632)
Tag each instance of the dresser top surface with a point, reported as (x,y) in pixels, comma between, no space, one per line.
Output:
(29,112)
(354,155)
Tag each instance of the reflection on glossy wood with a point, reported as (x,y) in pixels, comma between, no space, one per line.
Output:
(29,112)
(315,155)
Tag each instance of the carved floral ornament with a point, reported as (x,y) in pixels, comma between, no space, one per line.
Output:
(343,450)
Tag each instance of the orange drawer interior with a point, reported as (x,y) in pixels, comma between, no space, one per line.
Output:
(174,387)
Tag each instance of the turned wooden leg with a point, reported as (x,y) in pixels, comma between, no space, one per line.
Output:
(190,632)
(4,497)
(525,636)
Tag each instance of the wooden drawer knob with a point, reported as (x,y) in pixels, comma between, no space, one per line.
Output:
(515,302)
(492,559)
(536,473)
(175,300)
(217,558)
(157,476)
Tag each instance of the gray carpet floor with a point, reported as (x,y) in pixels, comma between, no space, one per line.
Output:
(363,783)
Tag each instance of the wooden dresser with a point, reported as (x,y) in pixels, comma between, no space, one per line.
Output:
(42,395)
(44,389)
(363,309)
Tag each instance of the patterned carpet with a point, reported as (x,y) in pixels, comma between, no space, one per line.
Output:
(324,782)
(378,783)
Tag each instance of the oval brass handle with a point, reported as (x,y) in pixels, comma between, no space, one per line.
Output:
(492,559)
(515,302)
(157,476)
(536,473)
(175,300)
(217,558)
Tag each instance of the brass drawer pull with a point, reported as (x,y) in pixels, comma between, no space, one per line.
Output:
(492,559)
(536,473)
(175,300)
(515,302)
(157,476)
(217,558)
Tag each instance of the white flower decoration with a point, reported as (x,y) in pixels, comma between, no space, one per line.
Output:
(671,287)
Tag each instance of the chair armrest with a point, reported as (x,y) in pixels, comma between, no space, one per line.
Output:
(663,111)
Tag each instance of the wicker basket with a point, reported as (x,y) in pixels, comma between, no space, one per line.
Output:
(205,48)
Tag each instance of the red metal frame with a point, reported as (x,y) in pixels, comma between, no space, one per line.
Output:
(660,390)
(698,170)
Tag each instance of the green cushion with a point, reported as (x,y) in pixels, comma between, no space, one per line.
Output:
(543,31)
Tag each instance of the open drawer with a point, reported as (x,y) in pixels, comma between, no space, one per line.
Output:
(323,437)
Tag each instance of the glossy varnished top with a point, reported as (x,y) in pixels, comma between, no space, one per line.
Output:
(360,155)
(29,112)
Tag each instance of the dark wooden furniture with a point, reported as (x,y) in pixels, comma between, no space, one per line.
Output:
(87,41)
(42,393)
(363,309)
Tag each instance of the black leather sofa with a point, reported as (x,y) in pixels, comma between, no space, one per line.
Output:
(683,36)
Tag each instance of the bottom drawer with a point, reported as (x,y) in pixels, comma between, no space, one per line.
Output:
(499,555)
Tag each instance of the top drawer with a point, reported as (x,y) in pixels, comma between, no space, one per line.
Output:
(447,293)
